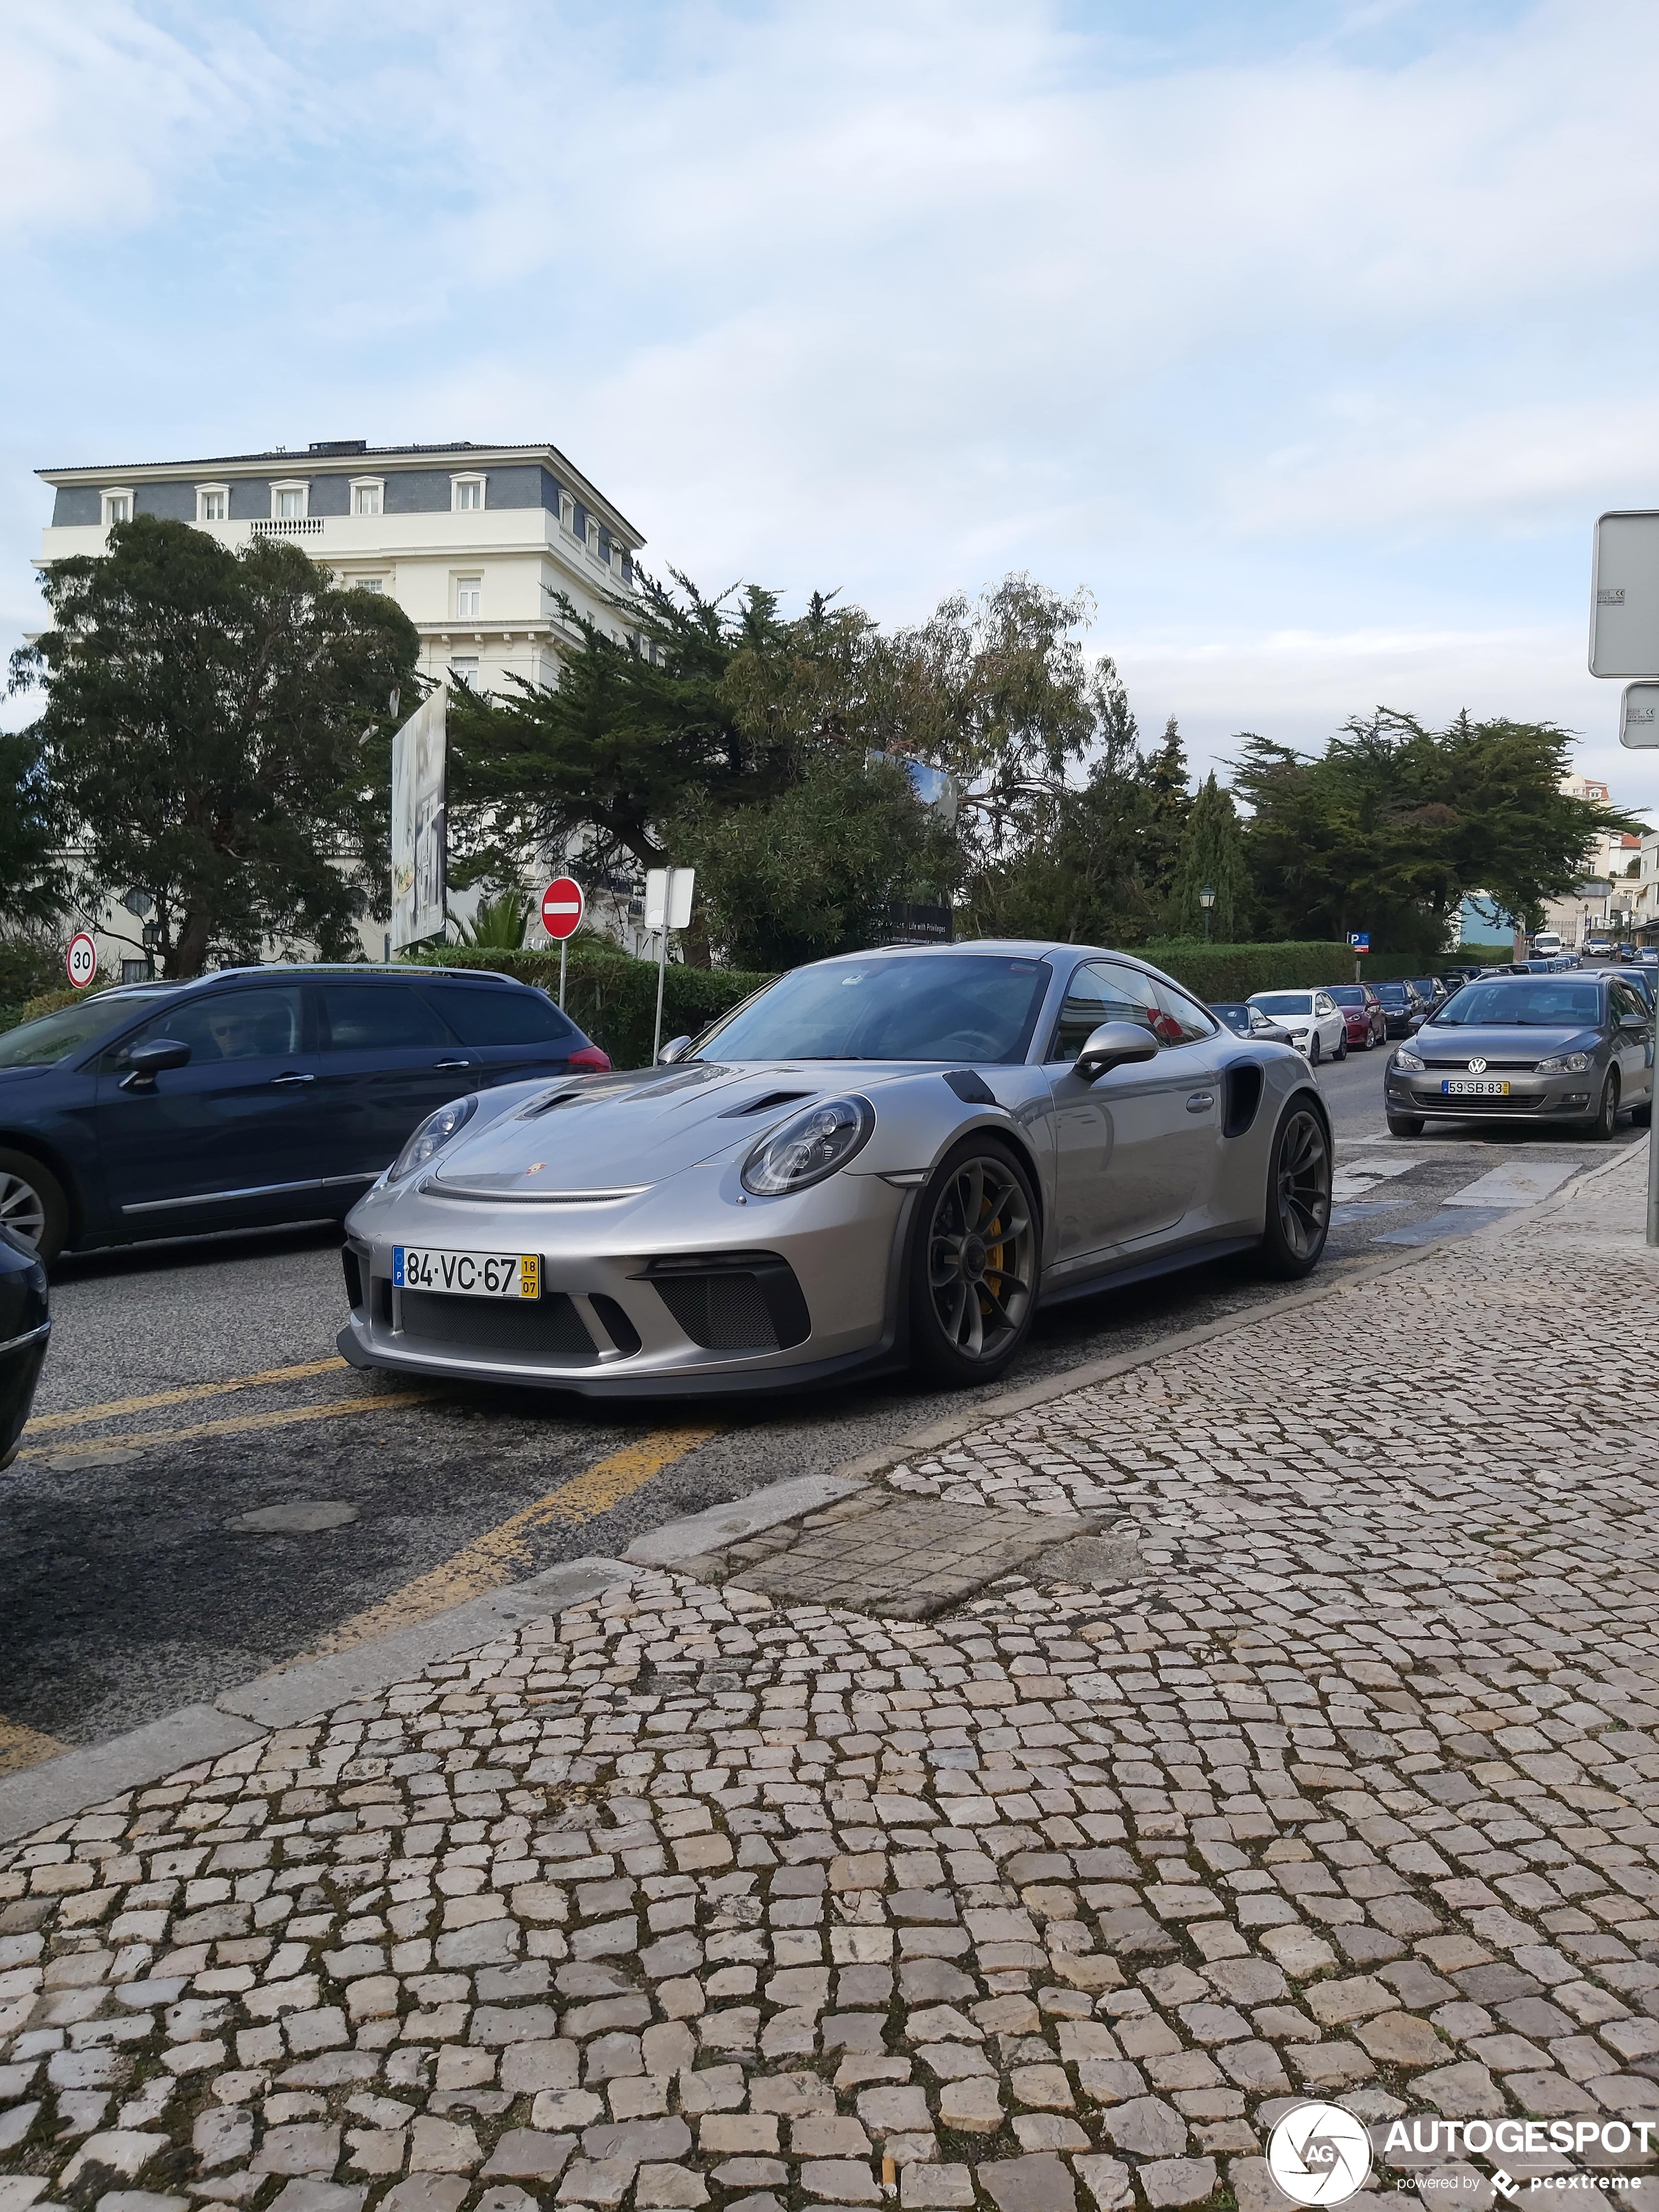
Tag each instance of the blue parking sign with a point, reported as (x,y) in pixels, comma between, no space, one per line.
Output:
(1360,939)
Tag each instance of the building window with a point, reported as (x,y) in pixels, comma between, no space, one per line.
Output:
(468,597)
(136,972)
(464,668)
(365,498)
(117,507)
(466,494)
(287,502)
(212,503)
(370,583)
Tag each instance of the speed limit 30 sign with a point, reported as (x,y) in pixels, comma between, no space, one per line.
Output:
(81,959)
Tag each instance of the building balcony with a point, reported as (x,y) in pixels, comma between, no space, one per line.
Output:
(288,526)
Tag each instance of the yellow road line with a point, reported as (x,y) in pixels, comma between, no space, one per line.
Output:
(79,1415)
(501,1555)
(22,1746)
(242,1425)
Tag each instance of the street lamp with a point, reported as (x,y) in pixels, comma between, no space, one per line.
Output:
(1207,900)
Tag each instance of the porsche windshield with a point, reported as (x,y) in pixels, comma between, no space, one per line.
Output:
(1549,1002)
(958,1007)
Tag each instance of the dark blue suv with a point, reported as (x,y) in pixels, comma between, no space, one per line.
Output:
(248,1097)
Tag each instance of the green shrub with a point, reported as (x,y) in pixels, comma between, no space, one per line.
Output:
(1218,973)
(613,995)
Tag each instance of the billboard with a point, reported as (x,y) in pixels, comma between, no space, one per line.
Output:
(417,825)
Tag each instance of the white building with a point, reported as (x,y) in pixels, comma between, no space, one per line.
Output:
(475,543)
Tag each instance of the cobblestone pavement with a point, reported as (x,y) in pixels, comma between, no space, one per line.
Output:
(1335,1770)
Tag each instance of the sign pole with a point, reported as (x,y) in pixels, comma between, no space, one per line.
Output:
(564,943)
(1653,1183)
(662,961)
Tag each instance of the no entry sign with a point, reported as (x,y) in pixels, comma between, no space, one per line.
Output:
(80,960)
(561,908)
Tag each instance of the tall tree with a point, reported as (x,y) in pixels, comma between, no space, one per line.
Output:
(33,879)
(1163,773)
(1211,858)
(1393,824)
(204,727)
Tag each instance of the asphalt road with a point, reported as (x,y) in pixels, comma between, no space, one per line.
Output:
(131,1588)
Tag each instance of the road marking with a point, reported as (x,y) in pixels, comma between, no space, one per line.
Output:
(242,1424)
(501,1555)
(22,1746)
(79,1415)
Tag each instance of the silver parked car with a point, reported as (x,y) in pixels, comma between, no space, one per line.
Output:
(1561,1048)
(888,1157)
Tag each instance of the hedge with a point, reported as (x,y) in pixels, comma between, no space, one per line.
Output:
(613,995)
(1218,973)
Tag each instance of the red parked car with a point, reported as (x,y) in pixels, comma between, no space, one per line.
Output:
(1362,1011)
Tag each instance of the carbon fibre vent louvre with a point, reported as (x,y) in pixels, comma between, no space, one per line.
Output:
(548,1328)
(722,1313)
(772,1100)
(1243,1081)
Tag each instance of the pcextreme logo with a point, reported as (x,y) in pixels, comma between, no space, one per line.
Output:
(1320,2154)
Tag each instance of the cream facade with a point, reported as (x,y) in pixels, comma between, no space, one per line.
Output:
(475,543)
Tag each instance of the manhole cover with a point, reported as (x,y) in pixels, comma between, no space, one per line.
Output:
(303,1518)
(910,1560)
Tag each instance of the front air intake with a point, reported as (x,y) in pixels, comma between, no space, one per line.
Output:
(732,1301)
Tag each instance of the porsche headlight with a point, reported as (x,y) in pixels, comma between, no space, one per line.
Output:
(809,1147)
(434,1134)
(1409,1063)
(1565,1063)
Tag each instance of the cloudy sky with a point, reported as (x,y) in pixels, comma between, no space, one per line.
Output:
(1309,337)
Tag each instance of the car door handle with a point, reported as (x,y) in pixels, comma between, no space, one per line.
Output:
(451,1063)
(292,1078)
(1201,1102)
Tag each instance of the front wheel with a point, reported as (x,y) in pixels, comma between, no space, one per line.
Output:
(33,1206)
(1298,1195)
(974,1266)
(1341,1052)
(1313,1049)
(1606,1112)
(1405,1125)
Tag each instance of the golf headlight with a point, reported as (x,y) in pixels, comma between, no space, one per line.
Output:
(1565,1063)
(1409,1063)
(809,1147)
(434,1134)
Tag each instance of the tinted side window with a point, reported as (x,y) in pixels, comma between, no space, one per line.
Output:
(225,1025)
(1180,1021)
(1100,991)
(378,1017)
(481,1015)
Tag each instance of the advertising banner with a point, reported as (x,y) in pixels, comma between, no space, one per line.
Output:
(417,826)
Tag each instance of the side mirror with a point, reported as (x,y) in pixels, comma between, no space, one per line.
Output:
(671,1051)
(1114,1044)
(149,1060)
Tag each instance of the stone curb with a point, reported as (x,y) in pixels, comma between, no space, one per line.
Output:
(63,1788)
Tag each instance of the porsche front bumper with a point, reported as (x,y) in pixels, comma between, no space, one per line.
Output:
(690,1287)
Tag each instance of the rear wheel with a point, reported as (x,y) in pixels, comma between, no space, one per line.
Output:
(1405,1125)
(1298,1195)
(33,1206)
(974,1266)
(1607,1111)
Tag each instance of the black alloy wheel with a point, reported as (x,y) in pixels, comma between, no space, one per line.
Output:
(1341,1052)
(973,1269)
(1313,1048)
(1298,1195)
(1607,1111)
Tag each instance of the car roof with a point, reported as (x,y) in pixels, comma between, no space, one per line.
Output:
(279,970)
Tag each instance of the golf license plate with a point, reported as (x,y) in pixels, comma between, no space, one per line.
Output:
(1470,1086)
(467,1274)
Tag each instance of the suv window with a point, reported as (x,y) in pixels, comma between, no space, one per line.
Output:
(262,1022)
(378,1018)
(479,1014)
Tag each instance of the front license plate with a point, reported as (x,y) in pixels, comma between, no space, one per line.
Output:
(468,1274)
(1464,1086)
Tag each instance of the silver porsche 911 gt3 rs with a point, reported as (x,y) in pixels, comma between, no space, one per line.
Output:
(892,1157)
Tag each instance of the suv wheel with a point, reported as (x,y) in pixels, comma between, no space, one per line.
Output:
(33,1206)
